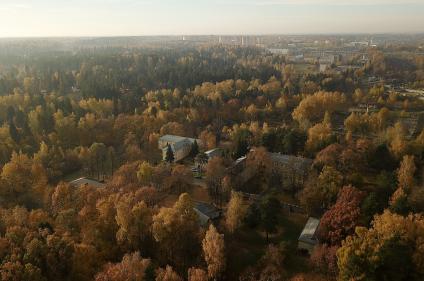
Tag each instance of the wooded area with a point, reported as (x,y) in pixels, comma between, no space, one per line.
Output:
(295,144)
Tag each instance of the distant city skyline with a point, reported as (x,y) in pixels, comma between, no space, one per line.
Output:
(63,18)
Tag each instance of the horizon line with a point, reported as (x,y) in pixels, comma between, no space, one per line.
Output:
(214,34)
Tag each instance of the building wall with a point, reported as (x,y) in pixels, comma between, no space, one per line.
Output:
(164,144)
(183,152)
(180,154)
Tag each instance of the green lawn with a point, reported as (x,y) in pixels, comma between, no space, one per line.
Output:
(244,249)
(247,246)
(292,227)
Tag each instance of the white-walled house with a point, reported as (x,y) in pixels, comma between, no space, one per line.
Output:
(181,146)
(308,238)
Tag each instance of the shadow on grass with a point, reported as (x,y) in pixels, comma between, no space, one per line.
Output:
(246,247)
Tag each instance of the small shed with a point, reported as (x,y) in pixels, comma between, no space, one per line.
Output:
(308,238)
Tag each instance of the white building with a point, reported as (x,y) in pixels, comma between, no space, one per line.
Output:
(181,146)
(308,238)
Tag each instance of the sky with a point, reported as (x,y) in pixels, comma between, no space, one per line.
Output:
(58,18)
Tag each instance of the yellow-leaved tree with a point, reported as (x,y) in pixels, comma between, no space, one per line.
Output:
(392,249)
(214,250)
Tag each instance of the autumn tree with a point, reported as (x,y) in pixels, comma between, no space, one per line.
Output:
(399,202)
(272,264)
(132,148)
(86,262)
(319,136)
(396,136)
(377,200)
(179,180)
(98,153)
(259,166)
(359,124)
(145,173)
(172,128)
(215,173)
(66,129)
(406,172)
(214,252)
(310,108)
(208,140)
(342,218)
(11,271)
(98,224)
(176,231)
(53,159)
(324,259)
(197,274)
(241,143)
(167,274)
(62,197)
(380,158)
(132,267)
(134,221)
(235,213)
(390,250)
(270,209)
(329,156)
(321,192)
(23,181)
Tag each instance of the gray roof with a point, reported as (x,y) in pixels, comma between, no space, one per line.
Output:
(308,234)
(86,181)
(179,145)
(175,139)
(177,142)
(171,138)
(206,212)
(241,159)
(214,152)
(238,163)
(298,162)
(203,219)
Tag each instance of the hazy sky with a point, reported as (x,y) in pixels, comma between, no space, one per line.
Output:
(162,17)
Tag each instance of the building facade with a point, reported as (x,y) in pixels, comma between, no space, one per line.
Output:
(181,146)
